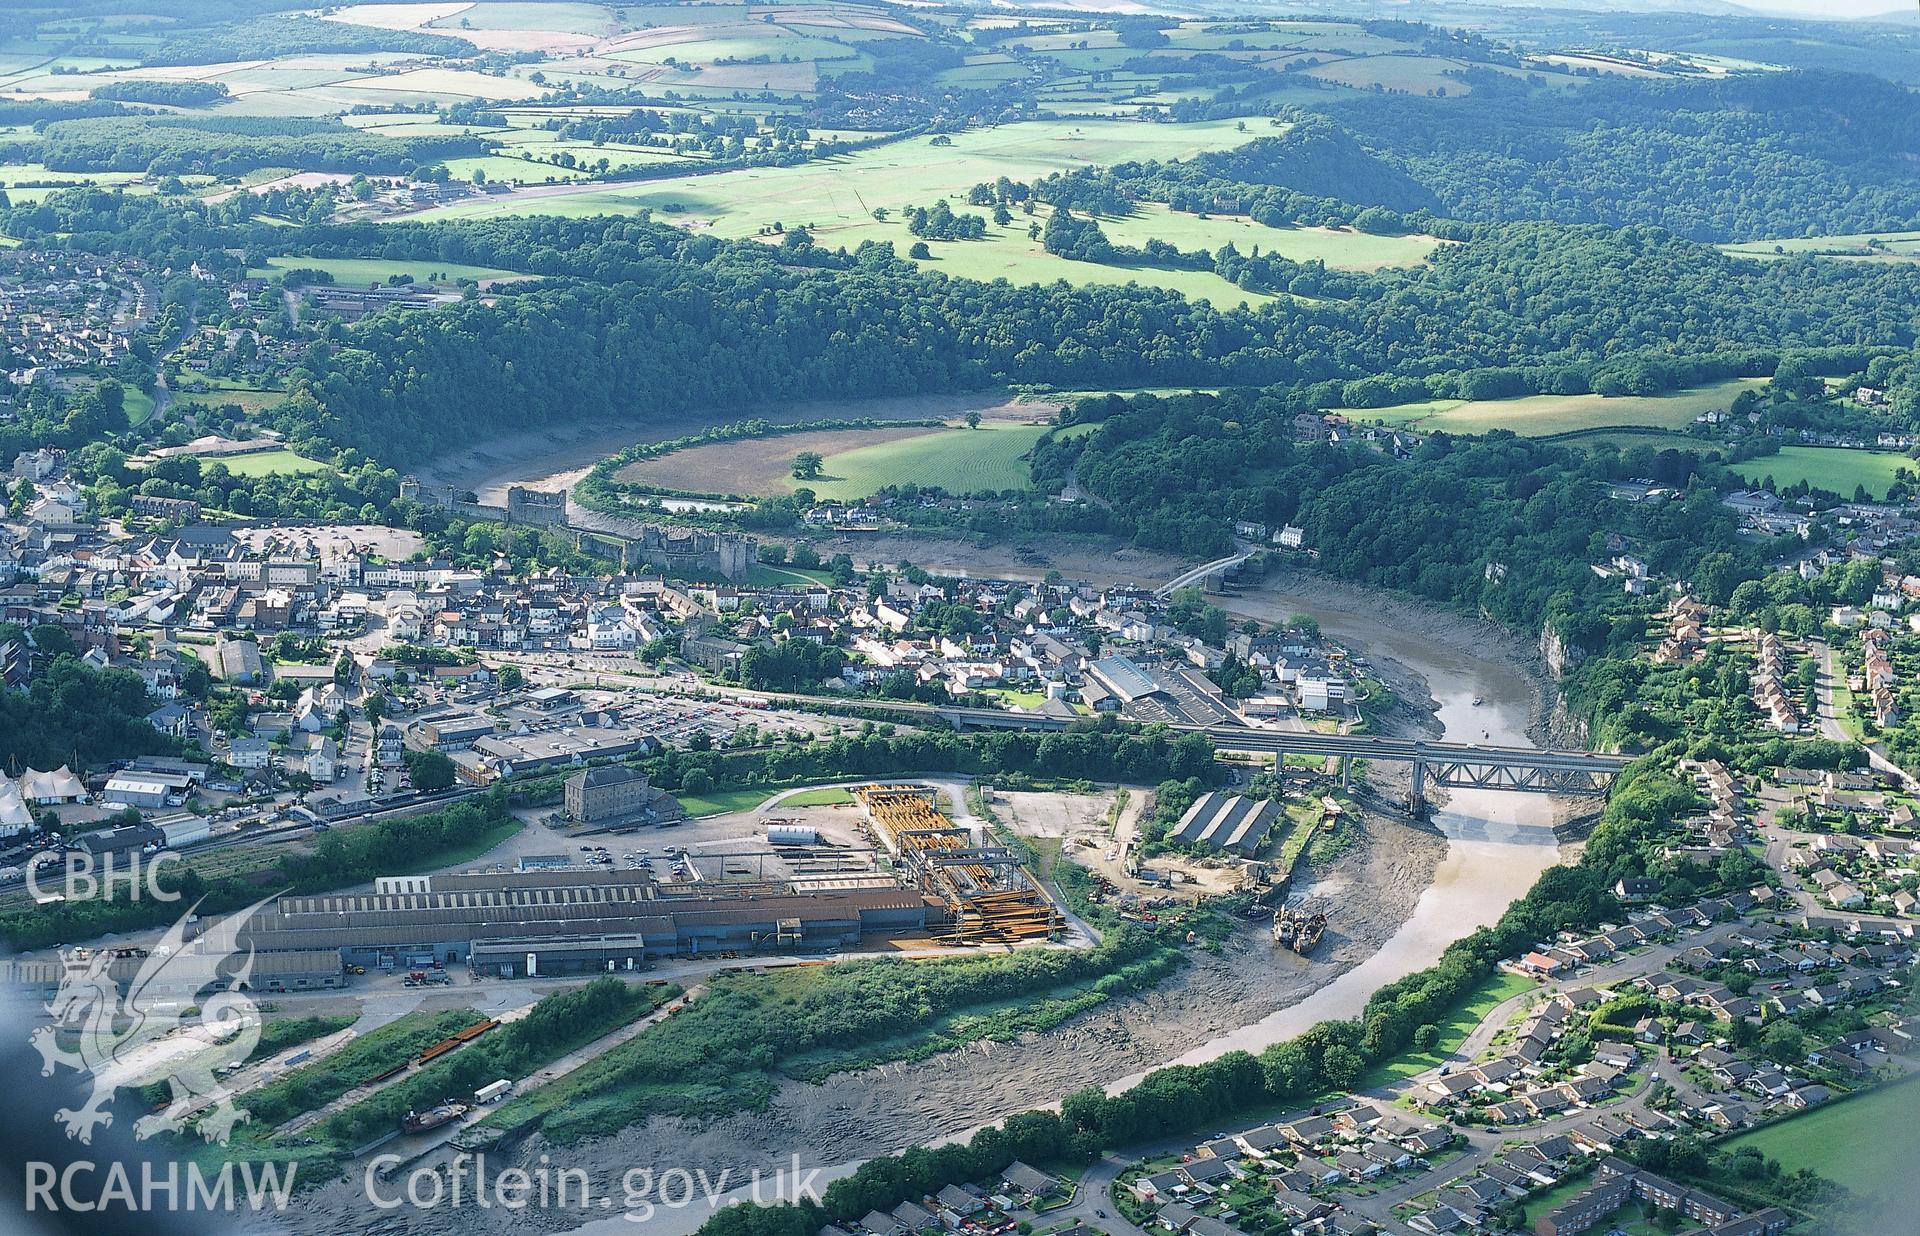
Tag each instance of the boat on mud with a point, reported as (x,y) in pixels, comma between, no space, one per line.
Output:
(432,1118)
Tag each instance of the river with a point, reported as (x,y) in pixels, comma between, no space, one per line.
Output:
(1497,843)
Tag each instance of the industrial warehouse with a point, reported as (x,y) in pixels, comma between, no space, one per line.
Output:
(573,921)
(579,919)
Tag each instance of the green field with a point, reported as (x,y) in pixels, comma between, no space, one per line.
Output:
(959,461)
(139,405)
(1864,1143)
(1339,248)
(830,797)
(1832,468)
(268,463)
(721,802)
(842,192)
(358,272)
(215,394)
(1540,415)
(1009,253)
(561,16)
(1494,990)
(1880,246)
(1626,440)
(1412,74)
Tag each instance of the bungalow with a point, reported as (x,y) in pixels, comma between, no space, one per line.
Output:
(1514,1111)
(1346,1223)
(1440,1221)
(1299,1206)
(1479,1191)
(1622,1055)
(1309,1130)
(1360,1118)
(1452,1086)
(1028,1180)
(1637,888)
(1427,1141)
(1262,1141)
(1515,1183)
(1159,1186)
(1388,1154)
(1726,1115)
(1201,1171)
(1542,963)
(958,1201)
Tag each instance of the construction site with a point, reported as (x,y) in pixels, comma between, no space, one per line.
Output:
(991,897)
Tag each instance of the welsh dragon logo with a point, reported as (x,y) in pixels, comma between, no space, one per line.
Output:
(184,1017)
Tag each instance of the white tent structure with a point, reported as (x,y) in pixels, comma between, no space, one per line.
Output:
(58,786)
(15,816)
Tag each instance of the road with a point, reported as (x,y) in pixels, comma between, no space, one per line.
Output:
(553,1071)
(1830,726)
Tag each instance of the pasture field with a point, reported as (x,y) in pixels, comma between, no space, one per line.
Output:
(1411,74)
(1009,253)
(13,175)
(139,405)
(1537,416)
(1865,246)
(1628,439)
(564,17)
(1863,1143)
(843,192)
(527,163)
(753,466)
(250,400)
(960,461)
(1833,468)
(269,463)
(358,272)
(857,462)
(1339,248)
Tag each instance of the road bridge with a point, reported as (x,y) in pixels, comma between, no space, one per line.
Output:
(1454,765)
